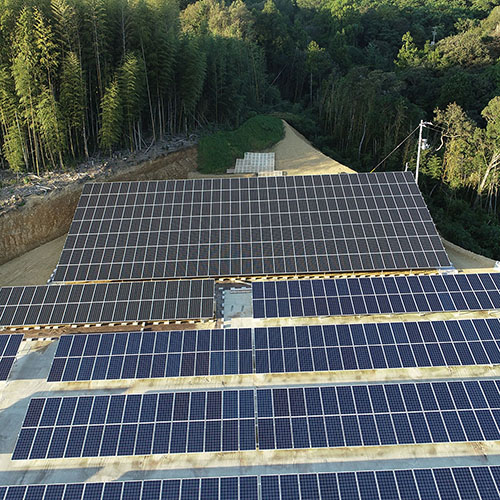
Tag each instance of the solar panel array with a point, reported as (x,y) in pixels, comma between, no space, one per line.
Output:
(255,163)
(152,354)
(9,344)
(250,227)
(287,418)
(461,483)
(137,424)
(377,295)
(106,302)
(378,414)
(276,349)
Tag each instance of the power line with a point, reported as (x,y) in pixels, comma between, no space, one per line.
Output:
(400,144)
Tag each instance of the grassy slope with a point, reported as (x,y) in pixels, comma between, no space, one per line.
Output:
(218,152)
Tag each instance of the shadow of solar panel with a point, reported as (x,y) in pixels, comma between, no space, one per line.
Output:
(106,302)
(378,295)
(137,424)
(250,226)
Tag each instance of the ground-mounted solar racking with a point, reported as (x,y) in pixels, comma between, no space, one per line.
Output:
(357,346)
(91,303)
(250,227)
(9,344)
(461,483)
(376,295)
(285,418)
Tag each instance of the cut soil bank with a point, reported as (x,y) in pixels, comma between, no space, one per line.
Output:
(46,217)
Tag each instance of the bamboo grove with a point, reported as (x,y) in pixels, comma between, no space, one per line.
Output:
(78,76)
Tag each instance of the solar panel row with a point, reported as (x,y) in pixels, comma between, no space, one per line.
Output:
(457,483)
(378,414)
(152,354)
(212,488)
(250,226)
(377,345)
(136,424)
(9,344)
(335,416)
(380,295)
(106,302)
(277,349)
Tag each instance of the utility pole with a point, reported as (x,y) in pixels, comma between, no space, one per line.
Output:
(434,33)
(421,126)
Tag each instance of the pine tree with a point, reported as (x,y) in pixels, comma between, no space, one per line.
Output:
(111,116)
(408,55)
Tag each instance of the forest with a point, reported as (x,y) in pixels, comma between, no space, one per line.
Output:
(79,78)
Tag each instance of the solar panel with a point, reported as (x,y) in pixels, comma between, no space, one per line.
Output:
(378,414)
(377,345)
(9,344)
(460,483)
(277,349)
(152,354)
(249,227)
(106,302)
(137,424)
(377,295)
(209,488)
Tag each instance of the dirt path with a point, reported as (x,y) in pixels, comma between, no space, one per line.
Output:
(294,154)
